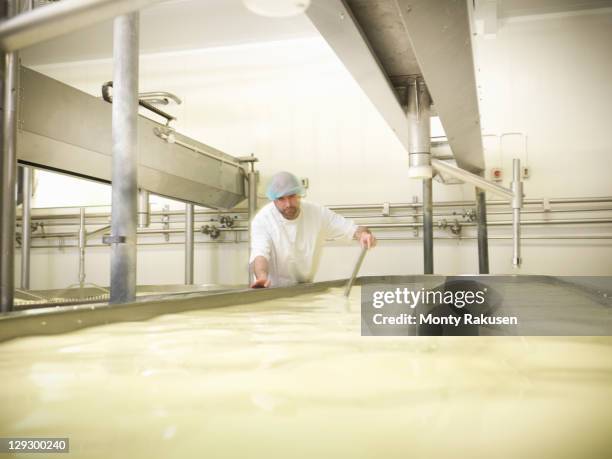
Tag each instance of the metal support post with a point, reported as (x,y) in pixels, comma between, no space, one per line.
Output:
(427,227)
(251,178)
(26,227)
(483,236)
(8,176)
(517,204)
(189,243)
(124,217)
(418,105)
(82,246)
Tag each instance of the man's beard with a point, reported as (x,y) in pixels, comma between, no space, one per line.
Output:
(290,212)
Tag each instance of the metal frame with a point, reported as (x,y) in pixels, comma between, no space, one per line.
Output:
(43,24)
(26,227)
(367,39)
(63,319)
(66,130)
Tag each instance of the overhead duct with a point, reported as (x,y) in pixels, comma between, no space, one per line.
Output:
(386,43)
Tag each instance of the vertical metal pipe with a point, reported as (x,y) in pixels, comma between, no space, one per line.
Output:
(483,236)
(427,227)
(418,104)
(252,193)
(189,243)
(8,176)
(252,208)
(144,209)
(517,204)
(125,159)
(26,227)
(82,245)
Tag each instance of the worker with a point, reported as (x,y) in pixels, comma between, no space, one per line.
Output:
(287,234)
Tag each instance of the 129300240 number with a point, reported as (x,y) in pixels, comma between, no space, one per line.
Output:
(34,445)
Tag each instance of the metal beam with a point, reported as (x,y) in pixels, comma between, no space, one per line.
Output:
(124,217)
(367,39)
(336,23)
(440,35)
(42,24)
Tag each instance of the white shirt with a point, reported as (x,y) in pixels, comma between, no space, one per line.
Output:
(292,247)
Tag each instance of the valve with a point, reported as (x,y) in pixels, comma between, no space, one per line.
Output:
(226,221)
(211,230)
(469,214)
(456,228)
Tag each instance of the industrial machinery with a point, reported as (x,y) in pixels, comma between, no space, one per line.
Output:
(383,44)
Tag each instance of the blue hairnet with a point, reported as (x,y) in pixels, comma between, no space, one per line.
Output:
(284,184)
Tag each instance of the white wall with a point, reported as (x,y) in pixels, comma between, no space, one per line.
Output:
(294,106)
(549,77)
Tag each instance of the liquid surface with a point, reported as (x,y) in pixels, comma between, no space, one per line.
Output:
(293,378)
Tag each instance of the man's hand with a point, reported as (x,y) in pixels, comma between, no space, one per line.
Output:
(261,283)
(365,237)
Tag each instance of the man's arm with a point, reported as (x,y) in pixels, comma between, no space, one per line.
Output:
(365,237)
(260,269)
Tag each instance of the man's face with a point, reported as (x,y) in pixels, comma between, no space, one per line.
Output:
(289,206)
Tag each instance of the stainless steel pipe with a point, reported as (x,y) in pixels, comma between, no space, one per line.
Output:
(189,244)
(42,24)
(252,204)
(418,105)
(82,246)
(252,194)
(474,179)
(428,262)
(517,204)
(125,159)
(8,177)
(26,227)
(382,238)
(483,235)
(419,158)
(580,200)
(590,221)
